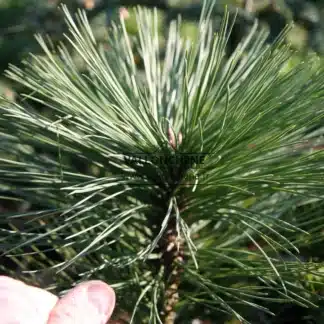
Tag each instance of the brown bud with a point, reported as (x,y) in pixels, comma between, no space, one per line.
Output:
(170,246)
(89,4)
(172,139)
(123,12)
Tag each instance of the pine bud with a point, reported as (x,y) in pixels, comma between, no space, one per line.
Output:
(172,139)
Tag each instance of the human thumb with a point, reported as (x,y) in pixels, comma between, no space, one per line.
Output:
(89,302)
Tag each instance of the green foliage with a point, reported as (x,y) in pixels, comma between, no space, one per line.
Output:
(246,114)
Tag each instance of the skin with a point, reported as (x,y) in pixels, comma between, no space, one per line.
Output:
(89,302)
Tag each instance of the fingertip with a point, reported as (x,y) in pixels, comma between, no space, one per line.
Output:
(101,296)
(92,300)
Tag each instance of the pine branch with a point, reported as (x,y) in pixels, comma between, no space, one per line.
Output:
(172,256)
(191,161)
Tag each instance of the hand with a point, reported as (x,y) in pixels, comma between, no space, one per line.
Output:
(90,302)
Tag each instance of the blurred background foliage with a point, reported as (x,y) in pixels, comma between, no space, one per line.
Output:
(20,20)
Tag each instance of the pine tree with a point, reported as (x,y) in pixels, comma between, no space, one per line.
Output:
(181,182)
